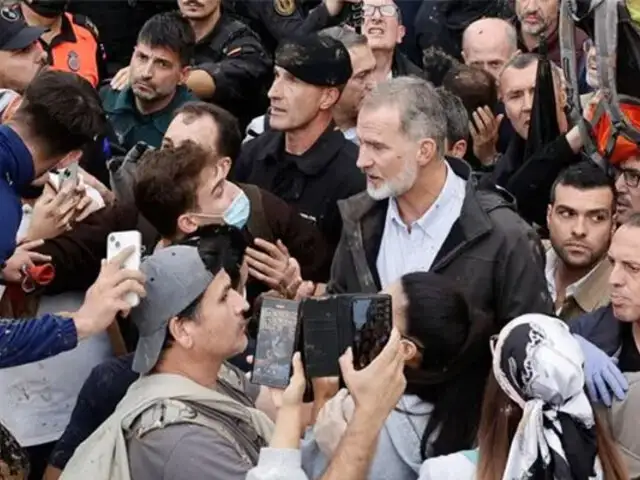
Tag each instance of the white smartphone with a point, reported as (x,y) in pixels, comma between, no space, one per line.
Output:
(118,241)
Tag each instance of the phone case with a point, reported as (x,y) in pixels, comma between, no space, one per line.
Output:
(118,241)
(276,342)
(371,332)
(321,345)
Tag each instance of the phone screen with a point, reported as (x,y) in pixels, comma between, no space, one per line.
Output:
(275,343)
(371,318)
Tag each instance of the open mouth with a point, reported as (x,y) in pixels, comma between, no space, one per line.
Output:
(375,31)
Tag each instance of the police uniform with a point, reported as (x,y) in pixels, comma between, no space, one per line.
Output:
(119,23)
(130,126)
(76,48)
(314,181)
(239,65)
(274,20)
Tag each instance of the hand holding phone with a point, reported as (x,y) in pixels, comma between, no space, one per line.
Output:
(118,241)
(276,342)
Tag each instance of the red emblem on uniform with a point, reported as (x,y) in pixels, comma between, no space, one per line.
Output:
(73,61)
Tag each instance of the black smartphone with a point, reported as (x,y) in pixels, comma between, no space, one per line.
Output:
(276,342)
(371,323)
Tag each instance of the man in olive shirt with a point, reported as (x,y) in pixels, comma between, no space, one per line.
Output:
(142,111)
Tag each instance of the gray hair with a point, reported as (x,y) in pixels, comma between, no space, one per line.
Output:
(347,36)
(457,116)
(421,112)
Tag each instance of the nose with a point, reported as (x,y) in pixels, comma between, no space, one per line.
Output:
(621,185)
(579,228)
(528,101)
(364,161)
(616,276)
(377,14)
(274,90)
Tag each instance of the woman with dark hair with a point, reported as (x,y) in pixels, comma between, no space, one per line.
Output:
(447,361)
(537,422)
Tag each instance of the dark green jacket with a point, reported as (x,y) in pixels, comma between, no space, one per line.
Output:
(129,126)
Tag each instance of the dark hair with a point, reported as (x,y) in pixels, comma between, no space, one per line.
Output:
(455,360)
(457,116)
(584,175)
(166,184)
(522,61)
(221,247)
(229,137)
(475,87)
(172,31)
(61,111)
(347,36)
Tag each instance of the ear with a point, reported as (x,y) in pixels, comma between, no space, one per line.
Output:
(408,350)
(549,210)
(401,33)
(329,98)
(224,164)
(180,331)
(186,224)
(184,75)
(459,149)
(427,151)
(464,57)
(72,157)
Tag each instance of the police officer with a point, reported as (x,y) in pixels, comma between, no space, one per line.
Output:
(119,23)
(303,158)
(274,20)
(230,67)
(71,41)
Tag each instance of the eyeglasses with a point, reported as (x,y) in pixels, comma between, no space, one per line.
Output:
(385,10)
(631,176)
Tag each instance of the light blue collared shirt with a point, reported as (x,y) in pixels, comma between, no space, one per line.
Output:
(404,250)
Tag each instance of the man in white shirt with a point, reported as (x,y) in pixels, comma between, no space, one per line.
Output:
(423,211)
(581,223)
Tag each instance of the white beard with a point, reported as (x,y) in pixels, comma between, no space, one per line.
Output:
(397,186)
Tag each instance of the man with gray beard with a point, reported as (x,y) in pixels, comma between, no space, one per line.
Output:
(422,211)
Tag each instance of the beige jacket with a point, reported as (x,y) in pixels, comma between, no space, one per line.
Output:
(103,456)
(623,419)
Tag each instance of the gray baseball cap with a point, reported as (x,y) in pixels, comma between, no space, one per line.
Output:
(176,277)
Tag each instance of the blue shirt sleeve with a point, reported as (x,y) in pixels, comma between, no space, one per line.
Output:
(26,341)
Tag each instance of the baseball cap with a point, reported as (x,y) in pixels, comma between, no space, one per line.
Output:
(15,34)
(176,277)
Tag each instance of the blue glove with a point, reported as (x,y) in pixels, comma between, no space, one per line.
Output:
(601,374)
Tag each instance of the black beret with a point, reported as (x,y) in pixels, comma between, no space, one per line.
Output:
(314,59)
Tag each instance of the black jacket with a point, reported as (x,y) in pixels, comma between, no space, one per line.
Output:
(313,183)
(530,180)
(240,67)
(490,252)
(273,23)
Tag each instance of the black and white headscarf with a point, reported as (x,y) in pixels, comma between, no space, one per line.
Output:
(539,365)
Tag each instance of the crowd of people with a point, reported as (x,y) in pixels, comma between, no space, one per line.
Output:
(432,151)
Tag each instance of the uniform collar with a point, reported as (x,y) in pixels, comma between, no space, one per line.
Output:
(314,160)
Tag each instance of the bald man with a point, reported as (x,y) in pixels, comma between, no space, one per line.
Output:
(488,44)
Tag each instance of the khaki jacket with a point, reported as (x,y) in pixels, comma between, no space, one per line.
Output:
(594,292)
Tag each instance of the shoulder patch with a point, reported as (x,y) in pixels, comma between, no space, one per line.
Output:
(285,8)
(85,22)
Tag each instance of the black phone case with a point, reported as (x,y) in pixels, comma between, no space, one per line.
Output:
(258,377)
(318,317)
